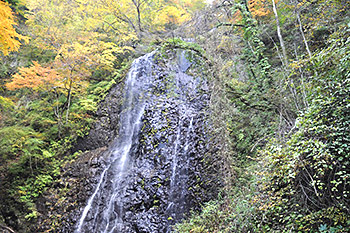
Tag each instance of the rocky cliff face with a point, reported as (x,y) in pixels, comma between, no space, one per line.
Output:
(168,168)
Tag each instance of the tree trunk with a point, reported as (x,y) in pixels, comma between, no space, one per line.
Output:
(279,34)
(137,5)
(69,98)
(5,228)
(303,35)
(139,18)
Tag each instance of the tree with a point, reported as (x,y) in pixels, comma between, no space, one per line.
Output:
(34,77)
(279,33)
(172,15)
(5,105)
(148,16)
(9,38)
(258,8)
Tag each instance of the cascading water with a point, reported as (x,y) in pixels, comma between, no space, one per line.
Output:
(179,177)
(135,87)
(145,185)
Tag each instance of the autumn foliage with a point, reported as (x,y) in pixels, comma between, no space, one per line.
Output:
(259,8)
(51,88)
(34,77)
(9,38)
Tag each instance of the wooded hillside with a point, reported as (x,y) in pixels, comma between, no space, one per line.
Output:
(280,105)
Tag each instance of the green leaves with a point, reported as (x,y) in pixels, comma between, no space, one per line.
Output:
(318,154)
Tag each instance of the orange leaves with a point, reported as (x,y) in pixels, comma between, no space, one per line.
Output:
(259,8)
(34,77)
(9,38)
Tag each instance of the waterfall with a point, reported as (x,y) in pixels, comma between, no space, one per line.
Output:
(144,186)
(135,87)
(175,209)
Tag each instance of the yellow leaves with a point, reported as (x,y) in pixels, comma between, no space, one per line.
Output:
(176,11)
(95,34)
(9,38)
(5,103)
(110,53)
(34,77)
(55,23)
(154,15)
(77,57)
(172,15)
(298,64)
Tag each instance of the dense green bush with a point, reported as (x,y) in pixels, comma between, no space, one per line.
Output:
(309,176)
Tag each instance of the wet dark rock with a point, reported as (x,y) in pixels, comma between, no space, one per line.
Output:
(77,182)
(105,129)
(168,173)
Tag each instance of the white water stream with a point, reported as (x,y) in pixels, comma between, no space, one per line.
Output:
(130,121)
(108,209)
